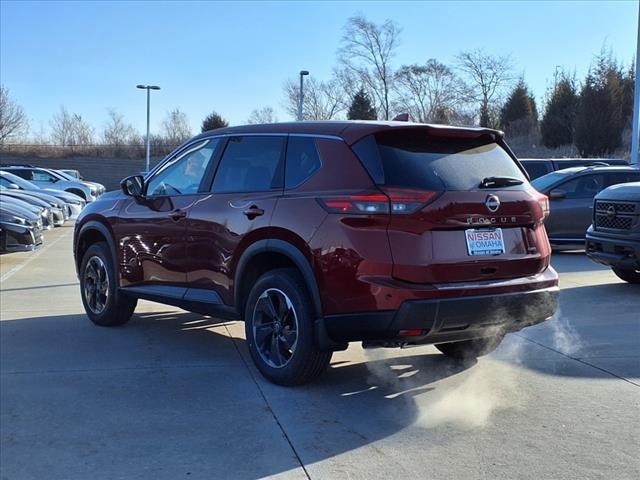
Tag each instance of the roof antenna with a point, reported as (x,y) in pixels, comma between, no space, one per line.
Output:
(403,117)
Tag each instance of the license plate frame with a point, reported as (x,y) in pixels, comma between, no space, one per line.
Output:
(484,241)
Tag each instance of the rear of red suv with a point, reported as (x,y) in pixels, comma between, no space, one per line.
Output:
(439,240)
(318,234)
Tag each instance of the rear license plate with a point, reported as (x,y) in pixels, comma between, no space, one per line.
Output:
(487,241)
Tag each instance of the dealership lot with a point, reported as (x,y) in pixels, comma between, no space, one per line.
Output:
(174,395)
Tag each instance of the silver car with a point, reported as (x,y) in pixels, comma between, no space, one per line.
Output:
(46,178)
(74,203)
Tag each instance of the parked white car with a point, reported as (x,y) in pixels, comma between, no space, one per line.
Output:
(46,178)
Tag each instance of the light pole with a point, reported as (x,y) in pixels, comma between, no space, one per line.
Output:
(148,88)
(635,133)
(303,73)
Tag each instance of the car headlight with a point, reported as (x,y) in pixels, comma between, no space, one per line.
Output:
(19,220)
(93,190)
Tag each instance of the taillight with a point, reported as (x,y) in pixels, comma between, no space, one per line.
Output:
(359,204)
(405,201)
(543,202)
(394,200)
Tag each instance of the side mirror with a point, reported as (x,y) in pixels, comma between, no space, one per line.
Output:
(53,179)
(133,186)
(557,194)
(13,186)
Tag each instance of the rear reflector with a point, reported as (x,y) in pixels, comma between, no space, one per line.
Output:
(394,200)
(410,333)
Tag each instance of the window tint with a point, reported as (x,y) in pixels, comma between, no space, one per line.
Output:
(412,159)
(585,186)
(302,160)
(26,174)
(536,169)
(622,177)
(183,174)
(250,164)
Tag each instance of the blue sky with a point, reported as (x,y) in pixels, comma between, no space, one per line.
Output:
(233,57)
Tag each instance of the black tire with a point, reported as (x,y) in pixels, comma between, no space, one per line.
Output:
(470,349)
(631,276)
(116,307)
(269,345)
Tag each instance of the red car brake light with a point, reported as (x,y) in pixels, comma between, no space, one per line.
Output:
(394,200)
(543,203)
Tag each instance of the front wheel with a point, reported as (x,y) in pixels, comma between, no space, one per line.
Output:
(470,349)
(279,327)
(631,276)
(104,305)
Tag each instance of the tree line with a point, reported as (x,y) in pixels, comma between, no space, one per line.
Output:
(591,117)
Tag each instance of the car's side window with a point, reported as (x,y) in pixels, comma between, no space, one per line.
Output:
(41,176)
(302,160)
(622,177)
(182,175)
(251,164)
(26,174)
(585,186)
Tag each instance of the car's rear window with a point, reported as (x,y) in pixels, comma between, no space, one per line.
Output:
(412,159)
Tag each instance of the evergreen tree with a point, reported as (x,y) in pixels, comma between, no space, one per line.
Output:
(361,108)
(559,119)
(213,121)
(519,115)
(602,113)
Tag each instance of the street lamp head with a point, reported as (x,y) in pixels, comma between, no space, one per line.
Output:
(148,87)
(141,86)
(304,72)
(154,87)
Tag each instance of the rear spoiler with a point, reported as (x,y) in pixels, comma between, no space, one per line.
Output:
(351,135)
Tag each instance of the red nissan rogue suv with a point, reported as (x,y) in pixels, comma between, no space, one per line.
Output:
(317,234)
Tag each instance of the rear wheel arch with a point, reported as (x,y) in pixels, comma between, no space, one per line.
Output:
(91,233)
(269,254)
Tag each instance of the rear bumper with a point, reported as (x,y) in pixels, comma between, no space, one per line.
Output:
(449,319)
(613,251)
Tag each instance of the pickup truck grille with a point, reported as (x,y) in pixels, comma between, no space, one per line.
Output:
(620,207)
(615,215)
(616,223)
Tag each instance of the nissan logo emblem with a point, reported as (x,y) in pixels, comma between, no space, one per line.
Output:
(493,203)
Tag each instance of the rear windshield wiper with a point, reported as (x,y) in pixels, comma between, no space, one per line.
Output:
(499,182)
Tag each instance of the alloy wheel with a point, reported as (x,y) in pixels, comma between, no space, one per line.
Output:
(96,285)
(275,327)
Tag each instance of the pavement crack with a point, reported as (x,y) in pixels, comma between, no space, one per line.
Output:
(577,359)
(266,401)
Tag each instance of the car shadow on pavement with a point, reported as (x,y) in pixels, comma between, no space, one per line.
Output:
(135,398)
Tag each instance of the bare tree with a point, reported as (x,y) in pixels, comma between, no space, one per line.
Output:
(13,121)
(70,129)
(430,92)
(322,100)
(367,50)
(175,127)
(263,115)
(488,76)
(116,131)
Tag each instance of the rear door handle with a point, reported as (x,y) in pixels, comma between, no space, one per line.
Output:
(177,214)
(253,211)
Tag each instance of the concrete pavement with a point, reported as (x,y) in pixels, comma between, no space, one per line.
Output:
(174,394)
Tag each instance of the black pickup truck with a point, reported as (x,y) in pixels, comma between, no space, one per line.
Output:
(613,239)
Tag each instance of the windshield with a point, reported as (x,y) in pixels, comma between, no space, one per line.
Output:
(63,174)
(544,182)
(6,178)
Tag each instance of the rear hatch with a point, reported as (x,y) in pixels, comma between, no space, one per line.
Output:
(462,209)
